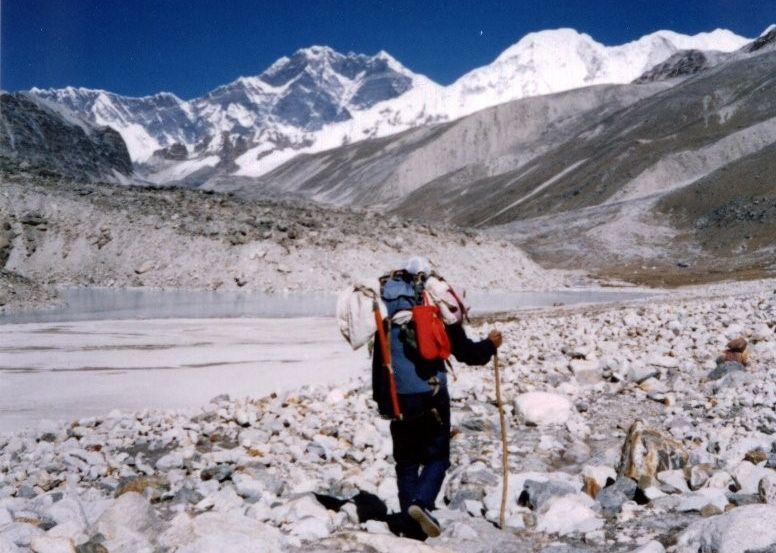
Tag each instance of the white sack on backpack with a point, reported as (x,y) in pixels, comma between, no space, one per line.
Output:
(355,312)
(446,298)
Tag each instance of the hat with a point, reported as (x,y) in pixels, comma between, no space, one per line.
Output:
(416,265)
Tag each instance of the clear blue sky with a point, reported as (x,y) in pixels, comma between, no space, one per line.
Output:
(189,47)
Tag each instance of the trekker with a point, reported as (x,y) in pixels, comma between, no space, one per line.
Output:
(421,432)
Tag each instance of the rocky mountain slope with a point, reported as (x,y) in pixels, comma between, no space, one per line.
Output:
(75,234)
(594,160)
(319,99)
(35,135)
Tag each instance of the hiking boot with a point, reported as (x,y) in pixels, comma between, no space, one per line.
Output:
(428,524)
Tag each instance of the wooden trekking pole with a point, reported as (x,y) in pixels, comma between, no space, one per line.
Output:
(504,452)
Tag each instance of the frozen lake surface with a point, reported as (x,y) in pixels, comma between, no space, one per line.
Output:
(84,368)
(82,304)
(135,349)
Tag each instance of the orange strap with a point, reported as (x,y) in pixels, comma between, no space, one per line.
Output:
(385,351)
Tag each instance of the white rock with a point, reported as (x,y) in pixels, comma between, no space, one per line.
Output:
(247,486)
(367,435)
(543,408)
(650,547)
(48,544)
(639,373)
(459,531)
(221,532)
(224,500)
(20,533)
(599,473)
(310,528)
(719,479)
(569,514)
(698,500)
(767,489)
(674,479)
(144,267)
(69,529)
(335,396)
(663,361)
(7,546)
(515,522)
(748,476)
(745,528)
(586,372)
(299,508)
(130,512)
(68,509)
(376,527)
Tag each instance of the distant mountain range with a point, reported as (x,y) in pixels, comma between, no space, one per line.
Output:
(318,99)
(656,158)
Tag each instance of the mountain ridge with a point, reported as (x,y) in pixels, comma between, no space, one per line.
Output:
(317,99)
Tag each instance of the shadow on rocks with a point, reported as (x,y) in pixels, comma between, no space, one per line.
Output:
(371,507)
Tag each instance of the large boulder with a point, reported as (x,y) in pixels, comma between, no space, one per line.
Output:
(129,525)
(743,529)
(223,532)
(647,452)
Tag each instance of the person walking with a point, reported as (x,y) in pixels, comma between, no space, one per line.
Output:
(418,388)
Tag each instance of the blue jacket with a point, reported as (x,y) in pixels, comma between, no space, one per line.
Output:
(411,372)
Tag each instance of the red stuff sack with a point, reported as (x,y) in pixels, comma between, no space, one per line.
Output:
(430,333)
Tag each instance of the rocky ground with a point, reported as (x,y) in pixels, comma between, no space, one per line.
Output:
(622,438)
(65,234)
(17,292)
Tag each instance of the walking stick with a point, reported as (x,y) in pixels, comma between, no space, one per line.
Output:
(504,452)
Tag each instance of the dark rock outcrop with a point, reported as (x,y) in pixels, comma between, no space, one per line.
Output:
(36,138)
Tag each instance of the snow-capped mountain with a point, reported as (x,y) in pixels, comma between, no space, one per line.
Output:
(541,63)
(279,108)
(319,99)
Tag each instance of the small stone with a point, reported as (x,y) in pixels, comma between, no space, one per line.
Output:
(699,475)
(144,267)
(756,456)
(140,484)
(48,544)
(766,490)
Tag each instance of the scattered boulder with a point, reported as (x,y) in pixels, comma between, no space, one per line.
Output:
(612,497)
(647,452)
(537,494)
(741,530)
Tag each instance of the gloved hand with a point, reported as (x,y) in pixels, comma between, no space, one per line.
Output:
(495,337)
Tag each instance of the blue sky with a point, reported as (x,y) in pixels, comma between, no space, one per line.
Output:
(190,47)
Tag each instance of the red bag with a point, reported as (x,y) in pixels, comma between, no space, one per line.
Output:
(430,333)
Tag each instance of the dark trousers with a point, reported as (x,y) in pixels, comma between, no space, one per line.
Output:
(421,448)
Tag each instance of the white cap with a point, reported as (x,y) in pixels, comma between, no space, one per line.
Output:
(415,265)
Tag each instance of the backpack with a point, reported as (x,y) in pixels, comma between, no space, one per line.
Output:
(430,333)
(451,301)
(356,312)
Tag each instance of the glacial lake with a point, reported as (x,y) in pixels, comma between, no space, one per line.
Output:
(85,304)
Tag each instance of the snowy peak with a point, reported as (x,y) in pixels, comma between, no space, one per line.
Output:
(318,98)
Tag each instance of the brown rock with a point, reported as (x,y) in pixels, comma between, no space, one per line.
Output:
(737,344)
(756,456)
(140,484)
(591,487)
(647,451)
(710,511)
